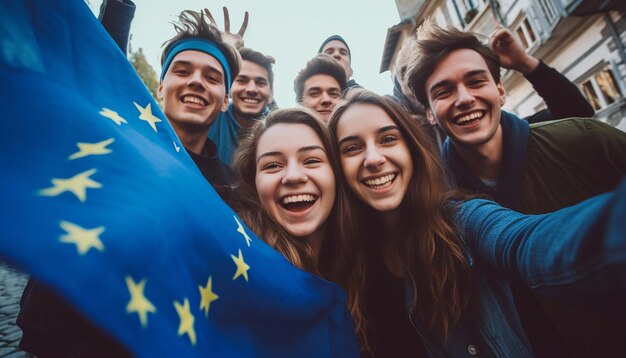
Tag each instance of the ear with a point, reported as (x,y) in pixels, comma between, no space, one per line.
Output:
(270,99)
(225,104)
(160,91)
(501,93)
(431,117)
(349,72)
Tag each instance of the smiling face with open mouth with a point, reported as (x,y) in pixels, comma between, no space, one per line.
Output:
(251,91)
(375,158)
(464,98)
(294,179)
(193,90)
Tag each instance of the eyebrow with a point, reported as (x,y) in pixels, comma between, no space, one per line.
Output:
(300,150)
(465,76)
(380,130)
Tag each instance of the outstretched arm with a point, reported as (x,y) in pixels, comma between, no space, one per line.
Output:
(235,40)
(116,17)
(573,250)
(562,97)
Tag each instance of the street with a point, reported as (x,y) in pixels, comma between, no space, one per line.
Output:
(12,283)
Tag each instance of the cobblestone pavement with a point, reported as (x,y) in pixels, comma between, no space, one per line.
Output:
(12,283)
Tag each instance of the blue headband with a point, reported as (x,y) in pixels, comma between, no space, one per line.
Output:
(205,46)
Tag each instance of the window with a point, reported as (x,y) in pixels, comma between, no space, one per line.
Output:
(526,33)
(601,89)
(550,10)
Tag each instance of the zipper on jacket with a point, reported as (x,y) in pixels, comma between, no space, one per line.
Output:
(426,343)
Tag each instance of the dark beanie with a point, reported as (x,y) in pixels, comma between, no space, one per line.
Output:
(338,38)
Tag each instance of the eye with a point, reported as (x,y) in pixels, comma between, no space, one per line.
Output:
(441,93)
(181,72)
(312,161)
(350,149)
(271,166)
(477,82)
(389,139)
(335,94)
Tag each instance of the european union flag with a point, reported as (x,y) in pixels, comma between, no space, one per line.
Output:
(101,203)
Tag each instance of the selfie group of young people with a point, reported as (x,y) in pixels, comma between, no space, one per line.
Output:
(505,239)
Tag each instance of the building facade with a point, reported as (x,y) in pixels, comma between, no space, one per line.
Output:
(585,40)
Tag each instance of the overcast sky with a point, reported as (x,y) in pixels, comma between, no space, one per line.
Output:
(289,30)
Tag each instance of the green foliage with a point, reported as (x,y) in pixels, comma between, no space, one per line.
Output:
(144,70)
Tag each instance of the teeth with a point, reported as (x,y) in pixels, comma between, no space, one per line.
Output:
(380,182)
(298,198)
(251,100)
(192,99)
(469,117)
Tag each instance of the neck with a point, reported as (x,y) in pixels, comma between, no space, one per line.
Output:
(485,159)
(390,249)
(244,120)
(194,140)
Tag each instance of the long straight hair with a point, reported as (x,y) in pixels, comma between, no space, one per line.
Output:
(429,247)
(337,263)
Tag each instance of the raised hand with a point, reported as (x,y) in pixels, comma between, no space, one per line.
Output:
(235,40)
(511,52)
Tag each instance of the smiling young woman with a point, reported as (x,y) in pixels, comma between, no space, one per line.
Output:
(450,259)
(287,193)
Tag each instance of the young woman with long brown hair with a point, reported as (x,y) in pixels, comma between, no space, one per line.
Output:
(447,259)
(288,195)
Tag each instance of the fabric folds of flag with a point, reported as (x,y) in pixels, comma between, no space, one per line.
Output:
(101,202)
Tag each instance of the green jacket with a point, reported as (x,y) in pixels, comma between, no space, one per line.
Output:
(568,161)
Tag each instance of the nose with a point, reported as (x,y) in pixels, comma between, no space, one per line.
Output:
(337,56)
(294,175)
(326,100)
(465,97)
(251,87)
(196,80)
(373,158)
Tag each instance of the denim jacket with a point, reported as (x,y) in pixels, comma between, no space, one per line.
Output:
(577,254)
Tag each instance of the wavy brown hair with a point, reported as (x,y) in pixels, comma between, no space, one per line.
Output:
(337,263)
(429,247)
(433,44)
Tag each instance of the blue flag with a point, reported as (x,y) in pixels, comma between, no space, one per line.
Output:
(101,202)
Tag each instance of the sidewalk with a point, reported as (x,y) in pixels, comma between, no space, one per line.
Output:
(12,283)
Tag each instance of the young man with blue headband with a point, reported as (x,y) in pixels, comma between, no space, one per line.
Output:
(198,69)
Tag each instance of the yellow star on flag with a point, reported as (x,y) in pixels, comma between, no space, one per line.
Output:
(146,115)
(186,320)
(138,302)
(207,296)
(84,239)
(112,115)
(85,149)
(241,230)
(77,185)
(242,266)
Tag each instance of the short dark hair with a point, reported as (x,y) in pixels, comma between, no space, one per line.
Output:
(192,24)
(433,44)
(321,64)
(248,54)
